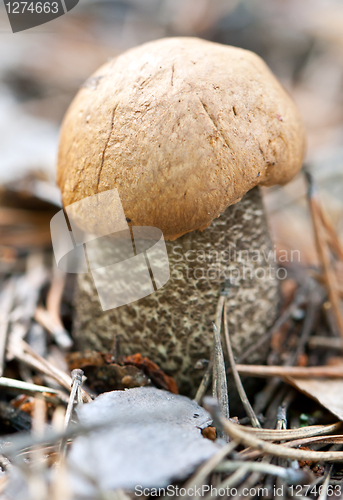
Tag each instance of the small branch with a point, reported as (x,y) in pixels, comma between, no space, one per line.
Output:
(318,440)
(25,387)
(24,352)
(6,303)
(219,383)
(288,434)
(237,433)
(281,419)
(230,481)
(76,383)
(291,371)
(219,374)
(324,491)
(325,342)
(60,334)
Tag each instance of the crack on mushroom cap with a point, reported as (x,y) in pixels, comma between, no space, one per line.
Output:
(212,129)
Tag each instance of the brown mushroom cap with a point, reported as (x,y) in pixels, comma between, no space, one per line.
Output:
(183,128)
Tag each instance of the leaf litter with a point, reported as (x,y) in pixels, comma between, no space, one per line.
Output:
(154,439)
(146,435)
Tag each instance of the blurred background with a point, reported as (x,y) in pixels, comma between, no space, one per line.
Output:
(41,70)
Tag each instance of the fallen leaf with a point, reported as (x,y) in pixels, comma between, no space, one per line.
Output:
(154,438)
(153,371)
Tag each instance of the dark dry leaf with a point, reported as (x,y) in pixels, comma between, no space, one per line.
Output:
(155,439)
(153,371)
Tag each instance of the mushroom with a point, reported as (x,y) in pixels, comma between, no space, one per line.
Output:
(186,130)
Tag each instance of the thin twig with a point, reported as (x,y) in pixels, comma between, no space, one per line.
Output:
(231,481)
(205,383)
(335,439)
(287,434)
(290,475)
(291,371)
(219,373)
(324,491)
(219,383)
(24,352)
(76,376)
(25,387)
(237,433)
(281,422)
(60,334)
(325,342)
(6,303)
(245,401)
(36,482)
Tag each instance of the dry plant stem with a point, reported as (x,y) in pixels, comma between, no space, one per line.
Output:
(291,371)
(324,252)
(288,434)
(60,487)
(25,387)
(23,441)
(329,272)
(249,483)
(61,336)
(249,454)
(219,312)
(53,306)
(334,241)
(6,304)
(270,417)
(76,376)
(324,492)
(262,399)
(36,483)
(54,297)
(231,481)
(278,450)
(24,352)
(298,300)
(281,423)
(199,477)
(247,406)
(325,342)
(335,439)
(205,383)
(219,383)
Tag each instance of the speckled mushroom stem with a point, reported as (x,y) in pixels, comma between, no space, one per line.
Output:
(173,326)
